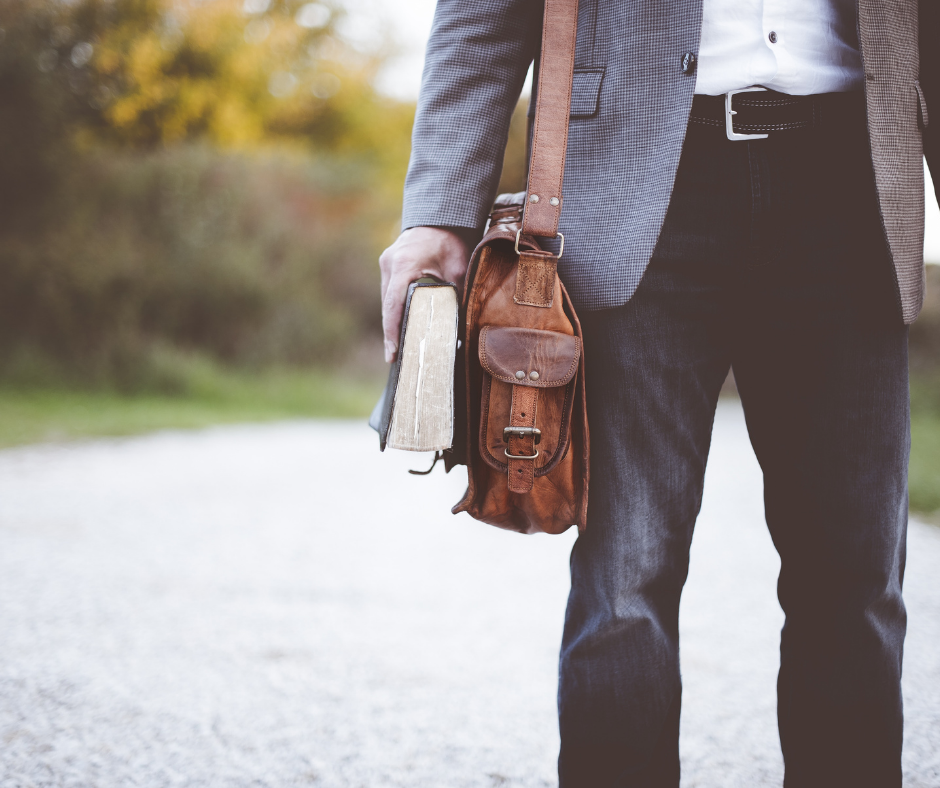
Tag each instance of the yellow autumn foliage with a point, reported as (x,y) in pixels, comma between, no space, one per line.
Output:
(217,176)
(237,75)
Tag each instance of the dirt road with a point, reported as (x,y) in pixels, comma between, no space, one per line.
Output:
(283,606)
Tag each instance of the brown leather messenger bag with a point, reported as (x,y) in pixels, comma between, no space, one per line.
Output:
(522,427)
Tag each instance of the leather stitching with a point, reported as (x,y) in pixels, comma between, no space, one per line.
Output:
(768,103)
(535,283)
(756,127)
(485,417)
(802,124)
(564,434)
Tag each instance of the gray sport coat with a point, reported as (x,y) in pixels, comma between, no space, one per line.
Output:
(632,94)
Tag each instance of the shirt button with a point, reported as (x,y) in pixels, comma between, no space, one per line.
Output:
(688,63)
(772,37)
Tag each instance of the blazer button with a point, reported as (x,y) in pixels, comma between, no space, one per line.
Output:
(688,63)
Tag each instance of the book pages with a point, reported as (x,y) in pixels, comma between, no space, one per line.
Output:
(423,415)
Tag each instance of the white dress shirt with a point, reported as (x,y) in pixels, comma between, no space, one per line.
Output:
(793,46)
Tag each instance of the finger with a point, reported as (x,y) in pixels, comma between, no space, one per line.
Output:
(385,271)
(393,306)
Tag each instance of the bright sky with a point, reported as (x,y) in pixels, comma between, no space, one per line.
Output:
(932,230)
(410,22)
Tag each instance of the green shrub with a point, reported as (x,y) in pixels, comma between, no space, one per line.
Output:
(129,238)
(251,259)
(924,482)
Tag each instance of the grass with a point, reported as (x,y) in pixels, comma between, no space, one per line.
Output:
(924,481)
(924,478)
(37,414)
(213,395)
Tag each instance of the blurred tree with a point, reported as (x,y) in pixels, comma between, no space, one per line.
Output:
(148,73)
(34,109)
(123,225)
(232,73)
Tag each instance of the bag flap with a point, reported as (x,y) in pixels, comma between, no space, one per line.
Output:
(545,358)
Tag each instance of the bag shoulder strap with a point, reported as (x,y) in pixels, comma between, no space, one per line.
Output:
(550,130)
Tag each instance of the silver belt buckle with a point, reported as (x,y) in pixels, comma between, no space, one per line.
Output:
(730,113)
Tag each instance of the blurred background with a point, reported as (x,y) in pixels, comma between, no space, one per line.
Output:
(193,197)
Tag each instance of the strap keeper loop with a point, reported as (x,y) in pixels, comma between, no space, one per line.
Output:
(561,249)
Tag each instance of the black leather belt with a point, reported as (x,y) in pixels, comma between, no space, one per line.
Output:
(755,113)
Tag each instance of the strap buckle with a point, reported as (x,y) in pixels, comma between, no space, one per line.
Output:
(521,432)
(729,113)
(560,251)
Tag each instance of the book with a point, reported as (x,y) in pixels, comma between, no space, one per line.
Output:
(416,410)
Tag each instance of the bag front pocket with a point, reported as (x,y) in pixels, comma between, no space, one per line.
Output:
(527,399)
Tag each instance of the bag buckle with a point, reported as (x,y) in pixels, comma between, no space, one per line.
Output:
(521,432)
(729,113)
(560,251)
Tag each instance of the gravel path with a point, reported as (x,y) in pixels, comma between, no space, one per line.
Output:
(284,606)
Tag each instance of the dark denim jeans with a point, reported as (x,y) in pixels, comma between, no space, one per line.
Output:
(771,262)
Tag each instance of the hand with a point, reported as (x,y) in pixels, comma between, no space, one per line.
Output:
(419,251)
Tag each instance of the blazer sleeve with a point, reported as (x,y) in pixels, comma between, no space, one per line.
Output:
(929,25)
(477,57)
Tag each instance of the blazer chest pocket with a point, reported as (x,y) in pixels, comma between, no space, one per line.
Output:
(586,92)
(528,383)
